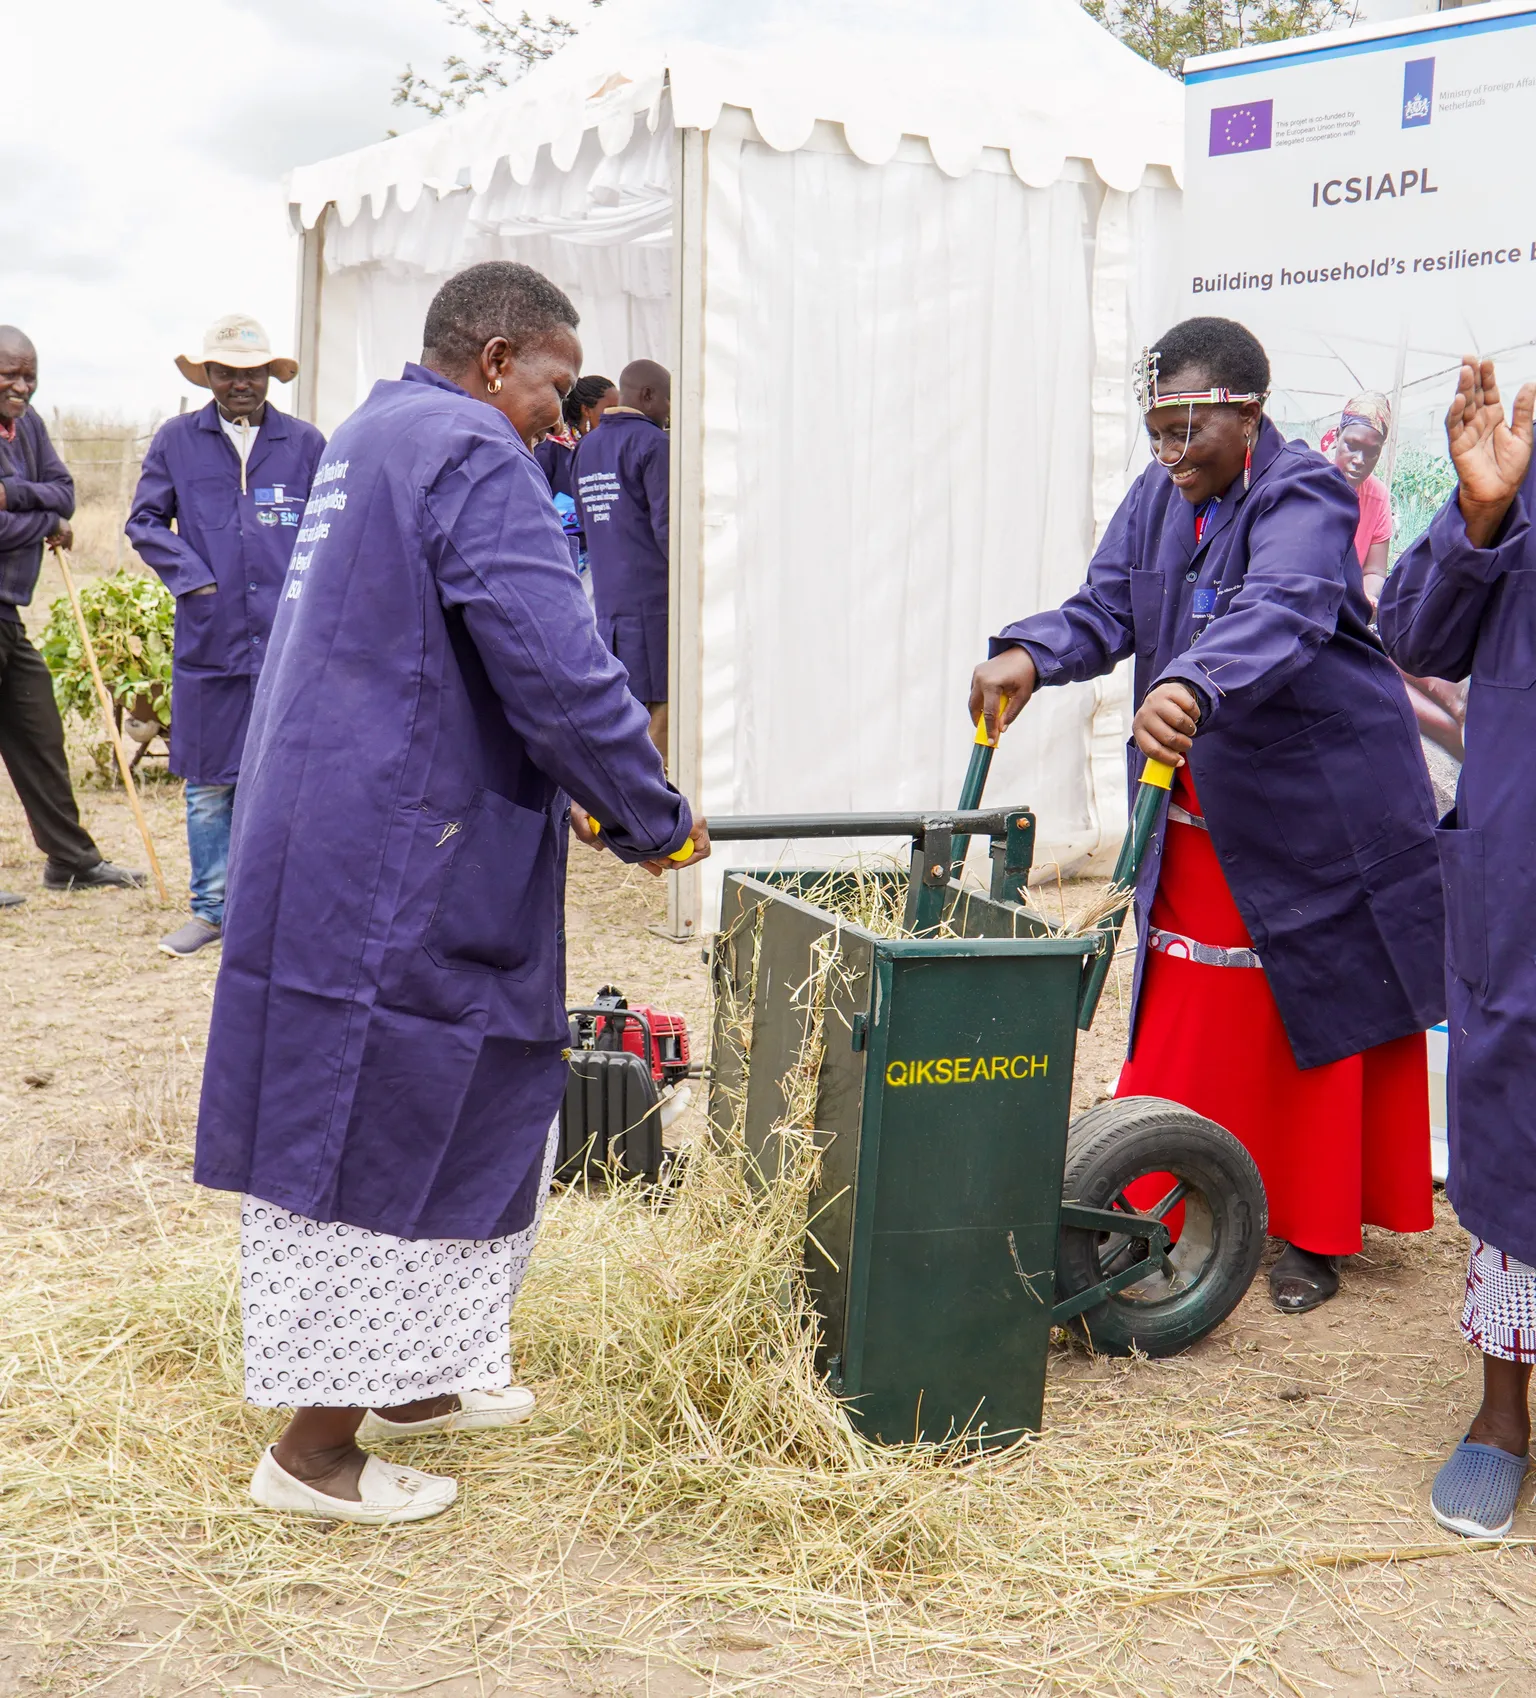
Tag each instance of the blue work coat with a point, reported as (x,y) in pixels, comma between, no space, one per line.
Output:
(1450,610)
(389,1020)
(620,473)
(239,543)
(1307,760)
(38,493)
(554,459)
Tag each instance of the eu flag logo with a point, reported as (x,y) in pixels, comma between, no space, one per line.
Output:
(1418,92)
(1242,129)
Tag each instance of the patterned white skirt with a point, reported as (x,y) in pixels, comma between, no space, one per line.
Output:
(1499,1315)
(340,1317)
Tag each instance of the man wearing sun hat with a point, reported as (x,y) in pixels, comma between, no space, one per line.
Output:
(234,477)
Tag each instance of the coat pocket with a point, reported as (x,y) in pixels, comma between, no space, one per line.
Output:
(1146,609)
(213,503)
(497,897)
(199,638)
(1506,650)
(1322,789)
(1466,916)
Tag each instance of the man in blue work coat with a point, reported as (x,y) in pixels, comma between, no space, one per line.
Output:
(234,478)
(1462,603)
(621,473)
(37,500)
(388,1044)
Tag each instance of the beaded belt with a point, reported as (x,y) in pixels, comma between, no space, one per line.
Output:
(1207,954)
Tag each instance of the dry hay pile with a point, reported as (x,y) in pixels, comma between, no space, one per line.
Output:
(871,892)
(686,1471)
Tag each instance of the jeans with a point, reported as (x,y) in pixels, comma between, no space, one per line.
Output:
(210,808)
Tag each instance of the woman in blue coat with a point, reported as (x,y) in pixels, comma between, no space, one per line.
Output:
(387,1046)
(1288,909)
(589,399)
(1462,603)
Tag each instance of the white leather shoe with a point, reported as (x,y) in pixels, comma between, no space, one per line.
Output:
(390,1493)
(477,1411)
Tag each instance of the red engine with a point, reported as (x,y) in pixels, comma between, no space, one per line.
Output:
(670,1058)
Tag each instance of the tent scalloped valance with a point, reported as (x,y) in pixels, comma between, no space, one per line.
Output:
(1056,86)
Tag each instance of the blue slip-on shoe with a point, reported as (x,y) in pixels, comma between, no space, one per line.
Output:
(1475,1493)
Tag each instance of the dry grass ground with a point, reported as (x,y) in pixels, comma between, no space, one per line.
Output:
(1177,1530)
(1249,1517)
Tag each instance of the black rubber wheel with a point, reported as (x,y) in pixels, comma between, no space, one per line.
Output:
(1221,1242)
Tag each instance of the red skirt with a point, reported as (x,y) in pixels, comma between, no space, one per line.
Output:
(1336,1145)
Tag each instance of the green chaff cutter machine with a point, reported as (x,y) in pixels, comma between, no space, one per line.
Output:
(960,1213)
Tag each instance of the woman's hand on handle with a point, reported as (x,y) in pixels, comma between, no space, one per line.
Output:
(697,845)
(587,830)
(1490,456)
(1165,723)
(1012,674)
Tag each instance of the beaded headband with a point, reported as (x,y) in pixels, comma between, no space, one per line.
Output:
(1149,396)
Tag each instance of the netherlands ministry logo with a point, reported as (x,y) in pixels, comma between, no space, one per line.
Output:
(1242,129)
(1418,92)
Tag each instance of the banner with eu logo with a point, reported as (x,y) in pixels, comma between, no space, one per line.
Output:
(1361,200)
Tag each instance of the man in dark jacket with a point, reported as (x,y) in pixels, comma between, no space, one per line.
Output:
(37,500)
(620,472)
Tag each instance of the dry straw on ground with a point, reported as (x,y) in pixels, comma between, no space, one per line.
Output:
(687,1471)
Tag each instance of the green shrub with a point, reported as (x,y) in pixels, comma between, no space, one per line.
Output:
(130,616)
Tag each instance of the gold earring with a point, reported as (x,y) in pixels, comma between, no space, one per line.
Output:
(494,387)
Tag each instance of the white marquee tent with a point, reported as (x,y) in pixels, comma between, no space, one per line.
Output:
(898,254)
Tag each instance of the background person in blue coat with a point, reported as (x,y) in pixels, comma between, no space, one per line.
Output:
(621,473)
(233,477)
(1288,909)
(583,407)
(37,500)
(387,1051)
(1462,603)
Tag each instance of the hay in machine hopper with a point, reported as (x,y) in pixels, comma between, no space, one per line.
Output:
(924,1033)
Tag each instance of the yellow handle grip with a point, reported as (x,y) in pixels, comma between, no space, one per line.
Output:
(679,855)
(981,725)
(1158,773)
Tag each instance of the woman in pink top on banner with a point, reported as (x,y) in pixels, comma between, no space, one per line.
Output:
(1354,445)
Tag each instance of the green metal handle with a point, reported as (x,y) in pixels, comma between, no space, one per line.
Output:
(1156,779)
(982,750)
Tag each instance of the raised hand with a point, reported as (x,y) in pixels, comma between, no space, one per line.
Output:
(1490,456)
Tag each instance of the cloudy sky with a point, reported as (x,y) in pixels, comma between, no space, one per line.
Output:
(143,174)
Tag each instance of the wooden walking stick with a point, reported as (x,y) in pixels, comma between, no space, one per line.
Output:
(109,719)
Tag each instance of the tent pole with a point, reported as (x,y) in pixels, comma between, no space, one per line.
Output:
(306,329)
(685,660)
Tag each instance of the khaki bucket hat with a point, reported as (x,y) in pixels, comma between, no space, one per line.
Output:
(235,341)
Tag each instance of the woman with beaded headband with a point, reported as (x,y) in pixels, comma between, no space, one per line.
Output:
(1289,914)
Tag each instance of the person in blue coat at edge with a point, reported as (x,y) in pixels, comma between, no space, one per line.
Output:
(1288,909)
(584,406)
(1462,603)
(37,501)
(387,1051)
(233,477)
(621,472)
